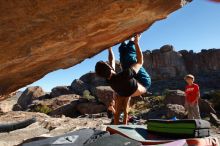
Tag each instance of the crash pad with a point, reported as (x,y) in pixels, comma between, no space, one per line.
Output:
(76,138)
(180,128)
(115,140)
(141,134)
(187,124)
(181,142)
(137,132)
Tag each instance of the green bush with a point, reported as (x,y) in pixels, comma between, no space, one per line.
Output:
(87,95)
(157,101)
(43,109)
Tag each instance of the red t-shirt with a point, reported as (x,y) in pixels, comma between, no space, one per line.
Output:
(191,92)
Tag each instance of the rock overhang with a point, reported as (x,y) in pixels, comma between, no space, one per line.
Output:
(38,37)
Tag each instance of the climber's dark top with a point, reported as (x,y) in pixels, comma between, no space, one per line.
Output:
(124,83)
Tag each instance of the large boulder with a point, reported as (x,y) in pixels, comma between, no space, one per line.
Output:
(45,36)
(27,97)
(174,97)
(57,106)
(175,110)
(90,108)
(78,86)
(60,90)
(104,94)
(93,80)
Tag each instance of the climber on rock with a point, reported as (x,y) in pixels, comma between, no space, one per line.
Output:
(131,82)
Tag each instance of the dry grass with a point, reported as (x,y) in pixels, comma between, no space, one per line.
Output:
(138,107)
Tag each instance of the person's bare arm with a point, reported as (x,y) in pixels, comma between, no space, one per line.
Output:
(111,58)
(197,97)
(136,67)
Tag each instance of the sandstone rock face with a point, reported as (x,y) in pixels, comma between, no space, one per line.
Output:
(37,37)
(165,63)
(202,62)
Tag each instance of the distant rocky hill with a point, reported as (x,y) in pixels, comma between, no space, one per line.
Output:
(167,68)
(166,63)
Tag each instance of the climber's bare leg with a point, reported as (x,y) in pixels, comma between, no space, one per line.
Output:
(121,105)
(126,107)
(117,110)
(140,90)
(112,106)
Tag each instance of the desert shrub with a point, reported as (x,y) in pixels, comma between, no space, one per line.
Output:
(160,99)
(43,109)
(157,101)
(138,107)
(87,95)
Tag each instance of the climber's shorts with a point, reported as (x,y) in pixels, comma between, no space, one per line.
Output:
(128,58)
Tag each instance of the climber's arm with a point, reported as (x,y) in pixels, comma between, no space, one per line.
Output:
(136,67)
(111,58)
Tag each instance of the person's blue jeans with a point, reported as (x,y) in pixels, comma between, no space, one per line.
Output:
(128,57)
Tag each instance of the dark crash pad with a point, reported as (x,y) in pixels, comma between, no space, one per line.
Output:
(141,134)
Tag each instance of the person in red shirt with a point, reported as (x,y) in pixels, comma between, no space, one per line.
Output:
(192,97)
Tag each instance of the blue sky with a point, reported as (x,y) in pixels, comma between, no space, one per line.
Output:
(194,27)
